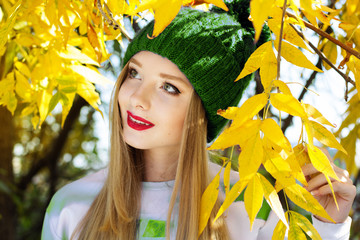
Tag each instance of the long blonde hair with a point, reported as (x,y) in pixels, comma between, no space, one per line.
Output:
(115,211)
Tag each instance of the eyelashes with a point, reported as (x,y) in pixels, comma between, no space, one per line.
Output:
(170,88)
(166,86)
(132,73)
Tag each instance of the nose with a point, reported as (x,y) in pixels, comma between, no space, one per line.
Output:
(141,97)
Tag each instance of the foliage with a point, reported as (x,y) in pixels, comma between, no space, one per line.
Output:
(50,51)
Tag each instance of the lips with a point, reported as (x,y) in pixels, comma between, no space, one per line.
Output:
(138,123)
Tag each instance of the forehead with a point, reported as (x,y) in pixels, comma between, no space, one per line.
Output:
(155,63)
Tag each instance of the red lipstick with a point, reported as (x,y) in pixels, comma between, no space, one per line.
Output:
(138,123)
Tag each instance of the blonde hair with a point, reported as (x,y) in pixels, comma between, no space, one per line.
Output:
(115,211)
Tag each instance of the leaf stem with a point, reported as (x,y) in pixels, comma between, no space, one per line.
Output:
(326,35)
(286,201)
(323,57)
(280,41)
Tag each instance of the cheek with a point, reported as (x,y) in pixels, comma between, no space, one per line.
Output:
(177,120)
(122,101)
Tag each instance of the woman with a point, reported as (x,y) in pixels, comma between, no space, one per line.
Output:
(163,113)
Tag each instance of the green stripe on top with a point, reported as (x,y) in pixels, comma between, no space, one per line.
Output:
(150,228)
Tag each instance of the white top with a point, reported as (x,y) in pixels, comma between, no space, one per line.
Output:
(70,204)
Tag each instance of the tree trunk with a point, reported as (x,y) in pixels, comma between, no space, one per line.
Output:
(7,206)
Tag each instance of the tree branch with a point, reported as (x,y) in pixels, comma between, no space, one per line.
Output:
(323,57)
(55,152)
(280,41)
(326,35)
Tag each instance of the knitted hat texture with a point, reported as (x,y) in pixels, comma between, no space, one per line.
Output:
(210,48)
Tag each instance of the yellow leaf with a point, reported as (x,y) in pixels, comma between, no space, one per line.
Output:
(280,170)
(315,114)
(164,12)
(23,68)
(301,155)
(273,199)
(90,74)
(66,106)
(260,11)
(321,162)
(35,121)
(357,74)
(305,200)
(231,197)
(325,136)
(253,198)
(94,41)
(309,132)
(283,166)
(43,104)
(305,225)
(22,87)
(330,51)
(235,135)
(7,84)
(208,200)
(351,6)
(118,7)
(9,24)
(307,6)
(295,232)
(273,131)
(296,168)
(268,70)
(289,34)
(282,87)
(250,158)
(10,101)
(227,177)
(287,103)
(349,143)
(73,53)
(87,91)
(255,60)
(28,110)
(295,56)
(247,110)
(218,3)
(279,231)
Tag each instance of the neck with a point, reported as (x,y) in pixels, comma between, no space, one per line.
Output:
(159,167)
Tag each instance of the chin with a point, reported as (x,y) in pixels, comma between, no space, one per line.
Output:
(135,143)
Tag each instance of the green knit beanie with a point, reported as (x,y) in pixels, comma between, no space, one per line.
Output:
(210,48)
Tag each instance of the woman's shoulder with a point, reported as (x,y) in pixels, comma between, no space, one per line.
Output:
(70,204)
(83,189)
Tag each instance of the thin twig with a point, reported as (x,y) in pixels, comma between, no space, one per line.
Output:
(323,57)
(280,41)
(110,19)
(326,35)
(288,120)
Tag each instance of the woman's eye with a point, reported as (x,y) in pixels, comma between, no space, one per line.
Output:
(134,74)
(170,88)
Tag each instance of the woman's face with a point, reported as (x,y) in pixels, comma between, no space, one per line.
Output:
(153,101)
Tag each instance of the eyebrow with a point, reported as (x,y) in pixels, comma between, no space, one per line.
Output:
(133,60)
(172,77)
(162,75)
